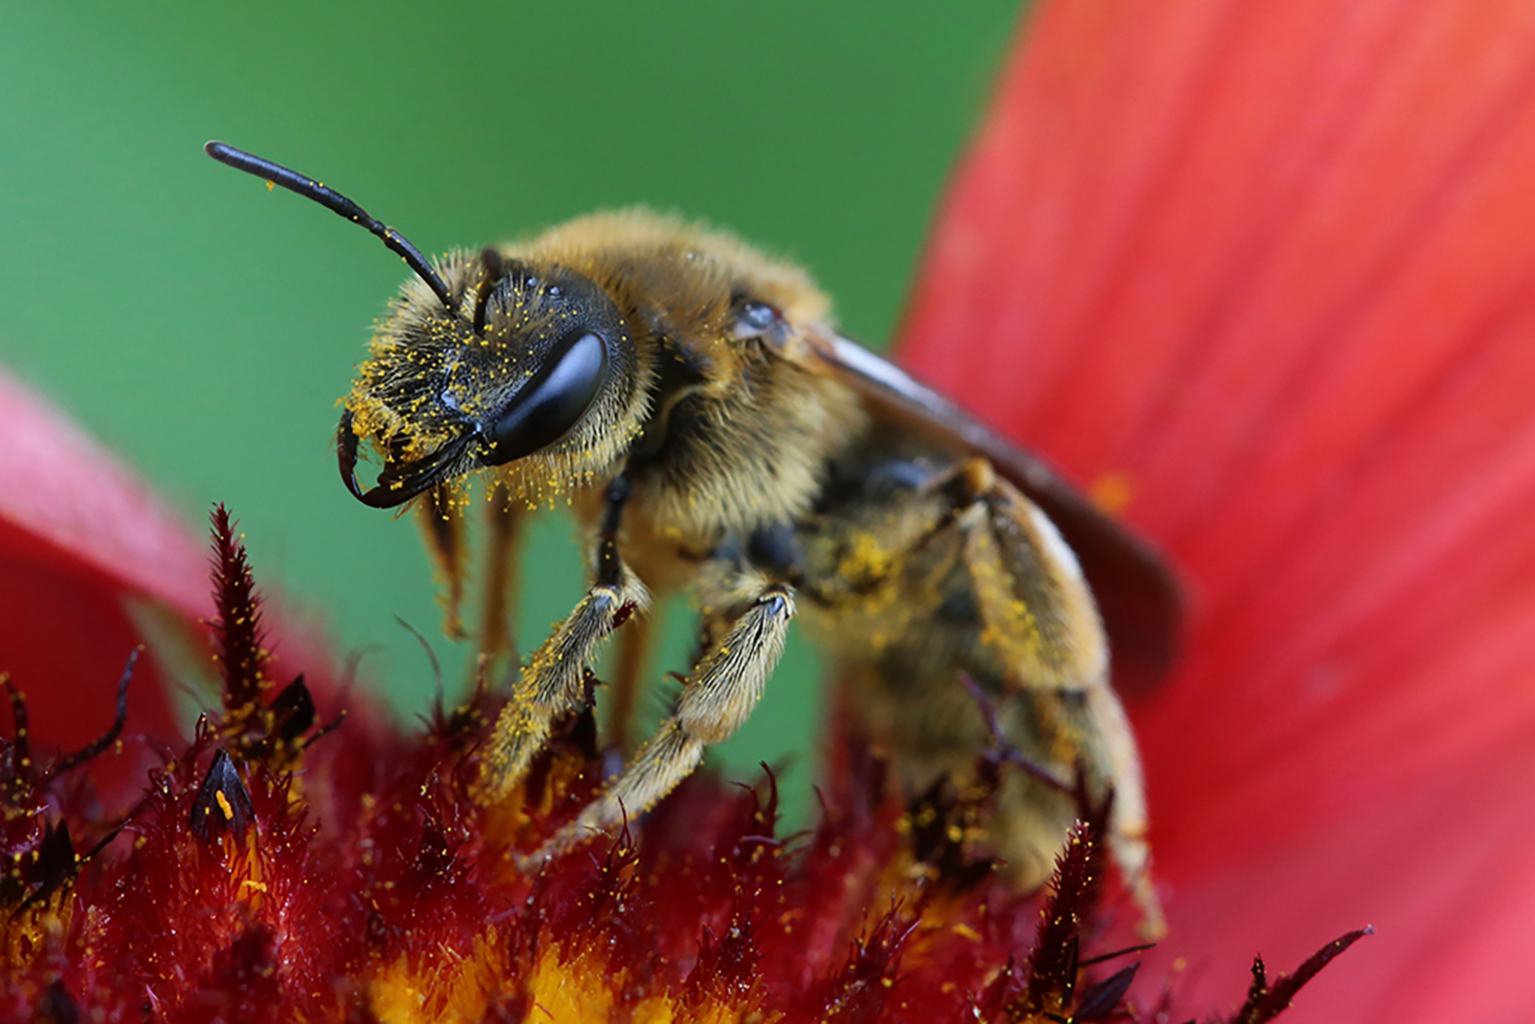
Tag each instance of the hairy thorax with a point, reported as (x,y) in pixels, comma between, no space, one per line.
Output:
(731,437)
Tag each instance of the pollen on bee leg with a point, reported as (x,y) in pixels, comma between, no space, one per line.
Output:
(555,682)
(719,696)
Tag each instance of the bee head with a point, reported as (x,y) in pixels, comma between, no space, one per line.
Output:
(525,367)
(481,363)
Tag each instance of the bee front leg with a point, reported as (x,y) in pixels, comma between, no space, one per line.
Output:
(554,682)
(441,518)
(717,698)
(506,519)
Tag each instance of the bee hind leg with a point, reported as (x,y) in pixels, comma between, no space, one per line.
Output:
(718,697)
(1043,638)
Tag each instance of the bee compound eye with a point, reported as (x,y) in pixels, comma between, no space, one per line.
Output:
(553,401)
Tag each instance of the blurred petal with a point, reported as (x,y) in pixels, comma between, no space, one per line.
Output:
(78,538)
(82,508)
(1442,870)
(1269,270)
(86,551)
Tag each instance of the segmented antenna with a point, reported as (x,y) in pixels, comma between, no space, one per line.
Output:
(329,198)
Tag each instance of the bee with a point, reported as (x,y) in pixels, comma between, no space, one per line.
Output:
(693,400)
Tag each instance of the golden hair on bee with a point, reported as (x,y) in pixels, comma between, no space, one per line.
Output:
(692,398)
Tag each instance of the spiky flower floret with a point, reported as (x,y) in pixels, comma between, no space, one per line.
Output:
(277,869)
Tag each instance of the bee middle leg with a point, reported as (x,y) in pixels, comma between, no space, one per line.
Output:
(719,695)
(634,648)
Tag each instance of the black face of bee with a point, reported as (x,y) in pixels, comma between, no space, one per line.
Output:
(547,345)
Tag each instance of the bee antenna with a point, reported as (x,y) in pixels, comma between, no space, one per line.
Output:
(490,259)
(329,198)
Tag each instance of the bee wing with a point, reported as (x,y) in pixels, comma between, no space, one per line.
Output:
(1137,594)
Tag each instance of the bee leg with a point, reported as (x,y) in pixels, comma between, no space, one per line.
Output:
(555,682)
(1040,623)
(505,522)
(1109,757)
(442,525)
(634,647)
(719,695)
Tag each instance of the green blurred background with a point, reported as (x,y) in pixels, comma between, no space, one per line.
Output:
(205,327)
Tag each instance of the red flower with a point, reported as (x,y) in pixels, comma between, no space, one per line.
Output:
(366,880)
(1257,274)
(1263,277)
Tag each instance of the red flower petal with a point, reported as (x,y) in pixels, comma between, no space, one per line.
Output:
(1265,271)
(1442,870)
(79,537)
(82,543)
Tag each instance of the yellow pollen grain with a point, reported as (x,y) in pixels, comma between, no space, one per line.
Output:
(229,811)
(964,931)
(867,560)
